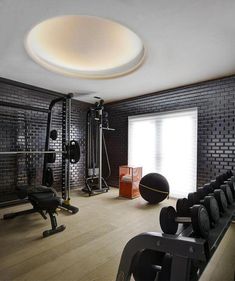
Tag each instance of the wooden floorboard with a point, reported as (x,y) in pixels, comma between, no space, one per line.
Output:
(90,247)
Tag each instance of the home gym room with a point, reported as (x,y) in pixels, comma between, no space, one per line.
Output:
(117,140)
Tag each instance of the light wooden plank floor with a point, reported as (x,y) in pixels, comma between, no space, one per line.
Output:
(90,247)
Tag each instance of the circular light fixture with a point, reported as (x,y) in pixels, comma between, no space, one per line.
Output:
(85,46)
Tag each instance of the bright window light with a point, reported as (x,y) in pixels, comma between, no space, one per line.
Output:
(166,144)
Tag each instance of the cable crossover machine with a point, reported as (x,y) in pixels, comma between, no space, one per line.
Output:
(97,122)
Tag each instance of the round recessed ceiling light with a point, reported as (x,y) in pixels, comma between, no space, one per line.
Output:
(85,46)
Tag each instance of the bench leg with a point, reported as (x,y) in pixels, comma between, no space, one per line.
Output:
(54,228)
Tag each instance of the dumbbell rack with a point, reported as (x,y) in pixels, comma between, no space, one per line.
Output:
(183,248)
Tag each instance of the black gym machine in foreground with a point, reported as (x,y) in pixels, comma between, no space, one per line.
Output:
(97,122)
(45,199)
(157,256)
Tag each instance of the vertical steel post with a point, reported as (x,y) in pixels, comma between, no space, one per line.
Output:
(100,146)
(64,162)
(68,143)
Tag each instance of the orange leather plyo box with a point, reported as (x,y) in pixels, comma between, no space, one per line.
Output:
(129,179)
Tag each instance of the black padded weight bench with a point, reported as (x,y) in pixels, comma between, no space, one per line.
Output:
(44,201)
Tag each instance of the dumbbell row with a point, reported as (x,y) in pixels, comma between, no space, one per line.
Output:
(223,191)
(202,208)
(199,218)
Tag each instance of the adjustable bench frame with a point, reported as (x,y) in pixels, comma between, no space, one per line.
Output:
(54,228)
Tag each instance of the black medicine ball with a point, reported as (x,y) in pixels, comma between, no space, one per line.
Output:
(154,188)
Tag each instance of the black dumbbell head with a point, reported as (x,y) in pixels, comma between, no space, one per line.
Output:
(221,200)
(183,207)
(211,205)
(167,220)
(200,221)
(228,194)
(208,188)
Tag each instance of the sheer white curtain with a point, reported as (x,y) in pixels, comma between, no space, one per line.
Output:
(166,144)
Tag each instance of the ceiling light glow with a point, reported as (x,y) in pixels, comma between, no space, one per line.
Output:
(85,46)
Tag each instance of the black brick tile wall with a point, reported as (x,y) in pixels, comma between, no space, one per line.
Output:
(22,129)
(215,101)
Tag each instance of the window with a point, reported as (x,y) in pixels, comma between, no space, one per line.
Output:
(166,144)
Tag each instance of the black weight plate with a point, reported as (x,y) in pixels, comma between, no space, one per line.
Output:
(212,208)
(183,207)
(167,220)
(200,221)
(165,273)
(221,200)
(143,265)
(53,134)
(228,193)
(49,177)
(74,152)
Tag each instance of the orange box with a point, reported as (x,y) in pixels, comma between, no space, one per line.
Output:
(129,179)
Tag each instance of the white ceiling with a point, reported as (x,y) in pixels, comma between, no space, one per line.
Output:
(187,41)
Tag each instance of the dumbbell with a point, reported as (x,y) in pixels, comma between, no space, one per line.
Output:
(225,179)
(221,200)
(199,218)
(209,202)
(214,190)
(228,189)
(151,265)
(208,188)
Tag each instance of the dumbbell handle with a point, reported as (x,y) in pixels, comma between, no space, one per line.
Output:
(183,219)
(157,267)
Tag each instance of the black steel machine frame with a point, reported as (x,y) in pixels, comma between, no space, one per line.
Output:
(95,182)
(66,124)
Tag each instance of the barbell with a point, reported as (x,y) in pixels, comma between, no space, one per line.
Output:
(72,152)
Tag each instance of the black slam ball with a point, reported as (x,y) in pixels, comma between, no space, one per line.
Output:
(154,188)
